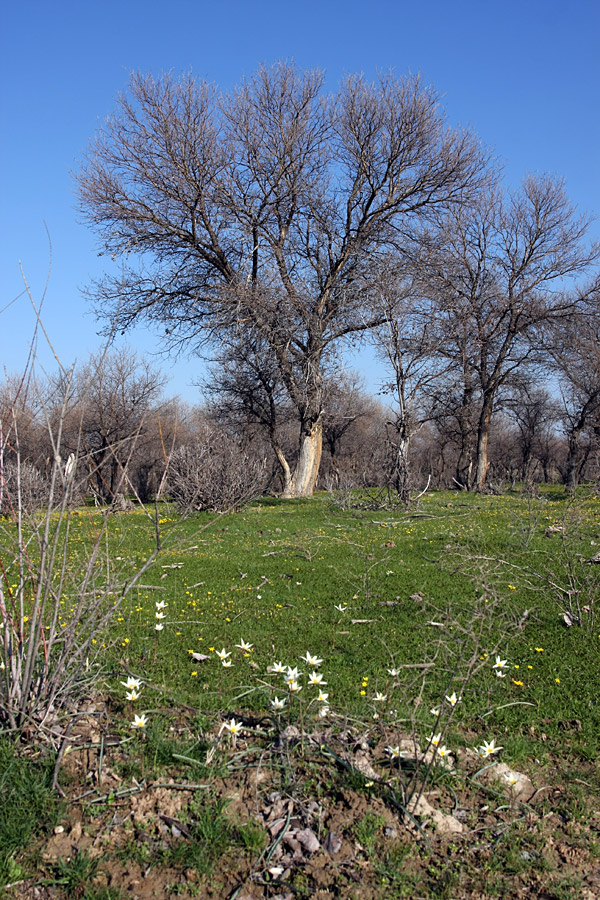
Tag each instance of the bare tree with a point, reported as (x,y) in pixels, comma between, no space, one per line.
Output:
(113,394)
(246,391)
(535,413)
(408,341)
(498,269)
(267,210)
(346,404)
(574,348)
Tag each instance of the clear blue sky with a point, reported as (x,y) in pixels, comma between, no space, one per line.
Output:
(524,75)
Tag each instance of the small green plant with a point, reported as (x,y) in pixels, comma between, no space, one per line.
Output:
(252,837)
(103,893)
(211,835)
(566,888)
(367,830)
(29,807)
(74,874)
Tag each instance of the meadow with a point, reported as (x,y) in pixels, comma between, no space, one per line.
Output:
(290,683)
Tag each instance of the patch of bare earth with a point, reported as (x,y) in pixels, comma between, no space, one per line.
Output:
(328,828)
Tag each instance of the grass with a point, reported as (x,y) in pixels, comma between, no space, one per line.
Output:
(278,570)
(27,803)
(436,594)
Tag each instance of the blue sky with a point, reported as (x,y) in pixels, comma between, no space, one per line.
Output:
(524,75)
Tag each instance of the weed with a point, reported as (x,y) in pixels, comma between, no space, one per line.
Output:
(568,888)
(252,837)
(367,830)
(103,893)
(74,874)
(29,807)
(211,835)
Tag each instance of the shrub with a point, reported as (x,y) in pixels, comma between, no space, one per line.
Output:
(216,473)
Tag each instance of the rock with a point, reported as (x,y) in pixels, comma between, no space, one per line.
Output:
(443,823)
(333,843)
(518,784)
(362,763)
(291,842)
(276,826)
(308,839)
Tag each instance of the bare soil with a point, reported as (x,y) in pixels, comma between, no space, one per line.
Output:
(320,826)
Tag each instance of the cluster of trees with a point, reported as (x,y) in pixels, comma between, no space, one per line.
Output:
(107,412)
(267,227)
(110,413)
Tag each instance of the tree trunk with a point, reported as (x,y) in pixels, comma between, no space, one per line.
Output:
(401,470)
(466,427)
(483,435)
(464,469)
(575,462)
(286,473)
(304,479)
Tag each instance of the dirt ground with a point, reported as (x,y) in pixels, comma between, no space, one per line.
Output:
(315,818)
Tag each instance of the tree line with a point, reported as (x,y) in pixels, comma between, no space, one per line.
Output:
(268,227)
(111,415)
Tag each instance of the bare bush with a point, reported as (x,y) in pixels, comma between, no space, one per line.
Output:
(60,584)
(22,481)
(49,648)
(214,473)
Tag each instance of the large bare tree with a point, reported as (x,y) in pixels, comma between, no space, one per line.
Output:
(498,269)
(268,210)
(574,350)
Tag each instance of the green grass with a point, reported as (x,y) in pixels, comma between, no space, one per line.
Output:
(28,806)
(274,573)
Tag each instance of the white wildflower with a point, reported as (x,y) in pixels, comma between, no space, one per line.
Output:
(488,748)
(311,660)
(139,721)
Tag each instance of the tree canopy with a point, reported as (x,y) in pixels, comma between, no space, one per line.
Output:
(270,211)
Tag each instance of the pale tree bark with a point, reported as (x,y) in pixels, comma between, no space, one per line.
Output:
(483,437)
(286,471)
(304,479)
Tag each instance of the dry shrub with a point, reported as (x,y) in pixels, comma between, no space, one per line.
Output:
(215,473)
(23,484)
(58,593)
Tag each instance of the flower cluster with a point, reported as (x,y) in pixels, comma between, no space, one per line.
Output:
(159,615)
(133,688)
(291,679)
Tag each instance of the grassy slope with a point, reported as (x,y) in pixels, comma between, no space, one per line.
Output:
(274,573)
